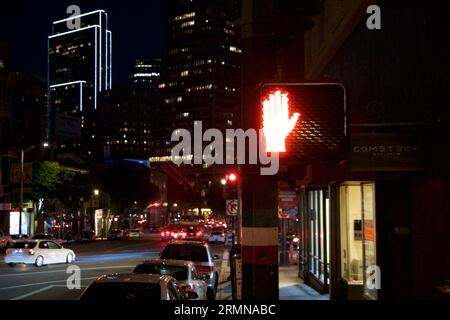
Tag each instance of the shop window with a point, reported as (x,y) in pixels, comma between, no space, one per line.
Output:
(319,245)
(357,230)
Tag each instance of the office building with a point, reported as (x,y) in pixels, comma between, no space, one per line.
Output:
(79,71)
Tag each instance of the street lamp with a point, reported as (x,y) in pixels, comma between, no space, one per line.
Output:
(96,192)
(22,156)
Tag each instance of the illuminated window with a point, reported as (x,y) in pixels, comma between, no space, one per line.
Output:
(187,24)
(184,16)
(234,49)
(184,73)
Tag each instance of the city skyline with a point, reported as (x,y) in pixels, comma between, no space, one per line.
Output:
(30,55)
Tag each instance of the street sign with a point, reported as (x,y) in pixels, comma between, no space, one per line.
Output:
(232,207)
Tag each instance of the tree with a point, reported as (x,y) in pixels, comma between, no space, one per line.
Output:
(46,180)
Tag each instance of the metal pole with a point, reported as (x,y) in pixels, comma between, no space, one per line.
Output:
(21,190)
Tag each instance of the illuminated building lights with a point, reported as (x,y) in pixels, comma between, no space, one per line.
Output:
(276,122)
(79,16)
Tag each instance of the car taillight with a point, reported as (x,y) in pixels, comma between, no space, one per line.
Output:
(199,234)
(8,251)
(205,269)
(162,234)
(30,252)
(175,235)
(188,287)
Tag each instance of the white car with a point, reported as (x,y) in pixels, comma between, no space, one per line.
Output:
(39,253)
(185,272)
(136,234)
(217,236)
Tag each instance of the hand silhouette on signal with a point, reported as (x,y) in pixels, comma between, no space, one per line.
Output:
(276,122)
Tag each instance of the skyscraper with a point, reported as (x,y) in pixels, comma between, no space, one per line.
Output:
(79,70)
(145,73)
(200,76)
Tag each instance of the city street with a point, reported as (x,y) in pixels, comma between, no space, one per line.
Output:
(94,259)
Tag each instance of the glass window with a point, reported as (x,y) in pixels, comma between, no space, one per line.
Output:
(318,209)
(369,234)
(178,272)
(357,229)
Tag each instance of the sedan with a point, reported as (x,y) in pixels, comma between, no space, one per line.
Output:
(184,272)
(137,287)
(39,253)
(217,236)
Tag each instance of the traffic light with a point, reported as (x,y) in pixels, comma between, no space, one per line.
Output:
(231,185)
(305,121)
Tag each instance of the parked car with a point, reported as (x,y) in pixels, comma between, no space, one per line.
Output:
(143,287)
(153,229)
(5,241)
(217,235)
(18,237)
(184,272)
(136,234)
(200,255)
(38,252)
(86,236)
(48,236)
(118,234)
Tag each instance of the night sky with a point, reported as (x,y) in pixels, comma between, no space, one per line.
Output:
(138,29)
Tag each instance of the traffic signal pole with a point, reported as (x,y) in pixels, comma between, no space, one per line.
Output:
(259,220)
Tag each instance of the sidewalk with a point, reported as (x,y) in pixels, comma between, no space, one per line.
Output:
(291,286)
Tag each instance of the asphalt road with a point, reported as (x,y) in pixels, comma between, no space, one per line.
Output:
(94,259)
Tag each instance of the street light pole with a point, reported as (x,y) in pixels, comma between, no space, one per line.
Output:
(22,156)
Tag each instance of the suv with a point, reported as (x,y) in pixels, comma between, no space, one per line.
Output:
(5,241)
(200,255)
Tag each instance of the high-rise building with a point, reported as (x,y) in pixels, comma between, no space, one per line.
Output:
(145,73)
(200,81)
(79,70)
(200,76)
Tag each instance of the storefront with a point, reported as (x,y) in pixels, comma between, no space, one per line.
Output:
(357,230)
(314,231)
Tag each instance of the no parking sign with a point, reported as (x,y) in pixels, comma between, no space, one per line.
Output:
(232,207)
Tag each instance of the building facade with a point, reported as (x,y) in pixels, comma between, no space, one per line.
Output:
(200,81)
(145,73)
(384,208)
(22,126)
(201,70)
(79,71)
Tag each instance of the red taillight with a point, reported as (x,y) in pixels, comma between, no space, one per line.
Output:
(162,234)
(199,234)
(205,269)
(30,252)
